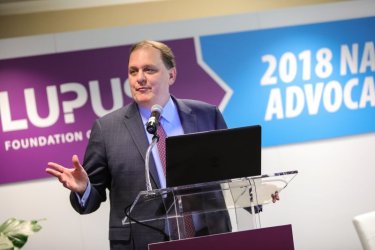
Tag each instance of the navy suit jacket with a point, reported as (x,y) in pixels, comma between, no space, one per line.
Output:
(115,160)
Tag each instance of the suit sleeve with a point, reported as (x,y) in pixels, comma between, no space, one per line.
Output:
(220,122)
(96,167)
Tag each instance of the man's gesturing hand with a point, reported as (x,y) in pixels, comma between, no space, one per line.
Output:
(74,179)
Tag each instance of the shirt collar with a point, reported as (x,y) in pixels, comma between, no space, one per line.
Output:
(168,111)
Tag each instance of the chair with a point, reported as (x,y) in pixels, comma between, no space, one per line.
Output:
(365,227)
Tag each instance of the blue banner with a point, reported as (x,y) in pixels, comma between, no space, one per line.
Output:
(300,83)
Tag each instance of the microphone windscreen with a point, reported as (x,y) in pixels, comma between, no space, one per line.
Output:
(157,108)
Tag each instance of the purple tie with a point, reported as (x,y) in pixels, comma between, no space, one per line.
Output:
(188,219)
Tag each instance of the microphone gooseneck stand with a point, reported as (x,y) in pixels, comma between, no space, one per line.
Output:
(127,210)
(155,139)
(151,127)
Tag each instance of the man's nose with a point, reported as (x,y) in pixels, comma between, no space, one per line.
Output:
(141,78)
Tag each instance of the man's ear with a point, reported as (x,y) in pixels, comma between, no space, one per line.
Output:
(172,75)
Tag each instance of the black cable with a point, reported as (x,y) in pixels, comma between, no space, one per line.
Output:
(127,214)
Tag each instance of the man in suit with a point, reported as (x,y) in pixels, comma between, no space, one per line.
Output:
(115,155)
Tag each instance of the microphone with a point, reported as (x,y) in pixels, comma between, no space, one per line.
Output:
(153,121)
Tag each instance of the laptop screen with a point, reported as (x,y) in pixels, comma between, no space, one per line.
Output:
(213,156)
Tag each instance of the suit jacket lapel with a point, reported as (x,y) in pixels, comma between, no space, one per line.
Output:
(133,122)
(187,117)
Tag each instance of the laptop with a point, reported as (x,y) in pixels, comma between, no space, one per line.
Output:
(213,156)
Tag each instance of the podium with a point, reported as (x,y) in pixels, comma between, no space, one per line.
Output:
(279,237)
(214,207)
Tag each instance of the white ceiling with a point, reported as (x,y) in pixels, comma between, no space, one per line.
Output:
(10,7)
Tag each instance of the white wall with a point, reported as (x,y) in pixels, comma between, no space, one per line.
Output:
(335,180)
(335,183)
(63,228)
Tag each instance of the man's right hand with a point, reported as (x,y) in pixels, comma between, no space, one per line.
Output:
(74,179)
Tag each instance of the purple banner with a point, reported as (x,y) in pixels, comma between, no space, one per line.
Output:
(48,103)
